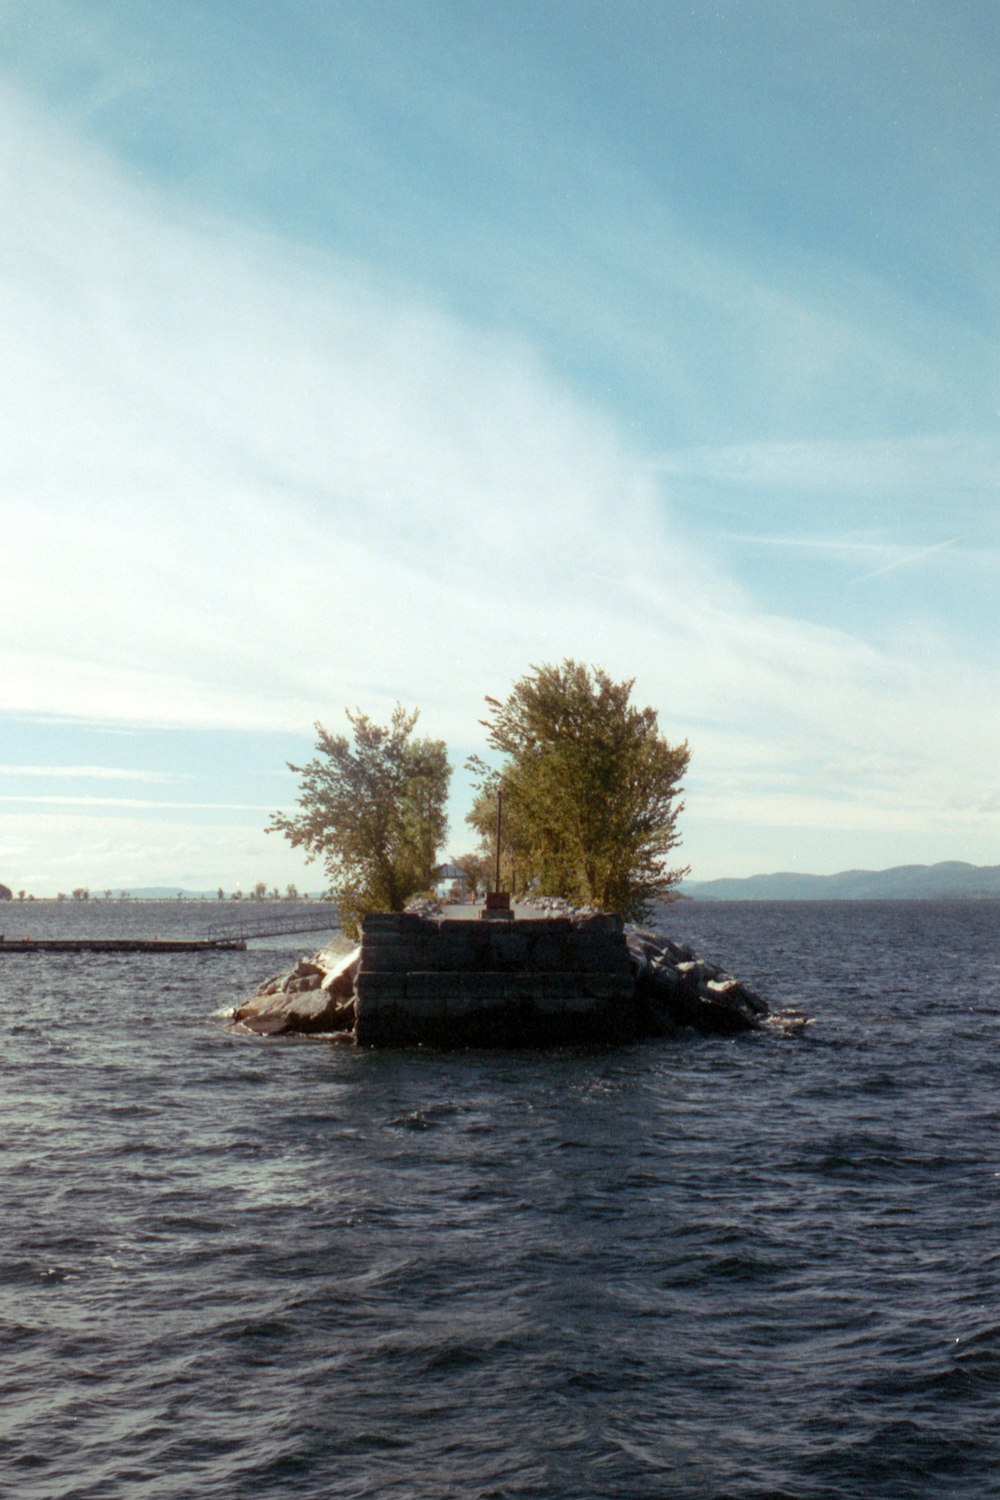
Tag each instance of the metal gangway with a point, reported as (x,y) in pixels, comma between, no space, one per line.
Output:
(324,919)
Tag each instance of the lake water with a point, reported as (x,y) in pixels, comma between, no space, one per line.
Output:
(705,1267)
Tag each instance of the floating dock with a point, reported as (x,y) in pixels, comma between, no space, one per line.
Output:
(121,945)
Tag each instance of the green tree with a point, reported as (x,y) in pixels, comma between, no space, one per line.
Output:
(372,808)
(590,790)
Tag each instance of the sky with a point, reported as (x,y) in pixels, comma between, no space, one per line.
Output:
(356,354)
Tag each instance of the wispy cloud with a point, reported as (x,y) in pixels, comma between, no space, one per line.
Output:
(89,773)
(934,466)
(269,468)
(889,556)
(134,803)
(909,559)
(58,849)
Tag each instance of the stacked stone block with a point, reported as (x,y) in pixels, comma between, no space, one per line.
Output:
(445,982)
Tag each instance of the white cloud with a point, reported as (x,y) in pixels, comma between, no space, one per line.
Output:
(44,852)
(245,486)
(236,482)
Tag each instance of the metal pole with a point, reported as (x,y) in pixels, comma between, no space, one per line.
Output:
(496,884)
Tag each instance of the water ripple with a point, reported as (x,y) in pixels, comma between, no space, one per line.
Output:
(700,1268)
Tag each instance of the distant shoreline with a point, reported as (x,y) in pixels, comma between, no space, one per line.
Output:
(951,880)
(168,895)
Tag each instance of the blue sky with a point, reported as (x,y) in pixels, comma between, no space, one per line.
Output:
(357,353)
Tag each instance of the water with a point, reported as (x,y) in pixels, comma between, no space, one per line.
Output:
(710,1267)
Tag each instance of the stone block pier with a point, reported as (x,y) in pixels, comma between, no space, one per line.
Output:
(528,981)
(459,977)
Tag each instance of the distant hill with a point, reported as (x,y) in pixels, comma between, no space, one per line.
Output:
(168,893)
(953,880)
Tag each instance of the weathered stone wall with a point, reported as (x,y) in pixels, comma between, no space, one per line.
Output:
(451,983)
(427,979)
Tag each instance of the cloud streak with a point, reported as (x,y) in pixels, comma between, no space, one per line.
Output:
(909,559)
(135,804)
(88,773)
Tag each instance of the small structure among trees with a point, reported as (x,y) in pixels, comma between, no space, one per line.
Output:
(590,791)
(477,869)
(372,807)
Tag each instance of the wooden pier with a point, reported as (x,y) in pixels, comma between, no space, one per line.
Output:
(226,937)
(121,945)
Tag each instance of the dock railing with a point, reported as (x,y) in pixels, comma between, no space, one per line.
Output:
(323,920)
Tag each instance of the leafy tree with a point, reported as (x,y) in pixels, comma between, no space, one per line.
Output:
(590,789)
(372,807)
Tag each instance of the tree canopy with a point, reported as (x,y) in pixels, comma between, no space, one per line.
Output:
(372,808)
(590,790)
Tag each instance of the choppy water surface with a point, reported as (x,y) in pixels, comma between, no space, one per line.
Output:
(704,1267)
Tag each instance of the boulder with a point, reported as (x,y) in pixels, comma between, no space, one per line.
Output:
(338,982)
(309,1001)
(297,986)
(677,989)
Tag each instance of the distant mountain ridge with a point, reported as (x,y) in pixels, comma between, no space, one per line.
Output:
(950,880)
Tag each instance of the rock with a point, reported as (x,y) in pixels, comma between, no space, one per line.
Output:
(296,986)
(678,989)
(729,991)
(313,999)
(271,986)
(308,968)
(339,981)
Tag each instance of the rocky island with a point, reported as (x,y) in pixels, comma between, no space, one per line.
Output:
(583,806)
(530,978)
